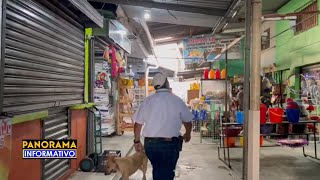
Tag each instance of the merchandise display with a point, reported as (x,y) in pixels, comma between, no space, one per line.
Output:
(102,89)
(194,86)
(108,124)
(211,74)
(223,74)
(130,97)
(214,89)
(206,74)
(289,124)
(217,74)
(214,74)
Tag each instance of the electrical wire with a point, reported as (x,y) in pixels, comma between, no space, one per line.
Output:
(172,14)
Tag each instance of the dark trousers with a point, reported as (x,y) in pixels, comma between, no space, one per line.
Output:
(163,156)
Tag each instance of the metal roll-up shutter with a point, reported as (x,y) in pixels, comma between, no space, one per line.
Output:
(56,126)
(44,59)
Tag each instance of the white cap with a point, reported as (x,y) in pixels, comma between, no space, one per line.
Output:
(159,79)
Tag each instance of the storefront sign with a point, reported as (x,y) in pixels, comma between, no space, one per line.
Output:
(199,48)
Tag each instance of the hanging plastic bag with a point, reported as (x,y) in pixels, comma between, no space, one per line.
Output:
(114,67)
(106,54)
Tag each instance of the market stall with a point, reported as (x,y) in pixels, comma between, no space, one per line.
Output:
(292,125)
(109,55)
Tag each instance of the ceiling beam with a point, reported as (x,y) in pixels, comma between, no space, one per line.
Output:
(167,6)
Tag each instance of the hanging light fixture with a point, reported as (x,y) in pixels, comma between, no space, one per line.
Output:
(147,15)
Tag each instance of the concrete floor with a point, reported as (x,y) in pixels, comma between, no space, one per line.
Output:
(122,143)
(199,161)
(281,163)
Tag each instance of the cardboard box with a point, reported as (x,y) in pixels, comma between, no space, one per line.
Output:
(192,94)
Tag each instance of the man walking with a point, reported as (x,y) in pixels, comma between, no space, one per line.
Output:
(162,115)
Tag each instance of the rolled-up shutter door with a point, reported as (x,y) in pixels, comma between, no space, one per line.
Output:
(44,59)
(56,126)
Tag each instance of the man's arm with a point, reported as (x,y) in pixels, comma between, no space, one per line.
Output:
(186,117)
(137,131)
(138,123)
(187,135)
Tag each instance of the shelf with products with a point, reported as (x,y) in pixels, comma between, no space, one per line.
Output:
(213,79)
(124,104)
(137,94)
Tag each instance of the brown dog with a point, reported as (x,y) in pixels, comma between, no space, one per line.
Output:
(128,165)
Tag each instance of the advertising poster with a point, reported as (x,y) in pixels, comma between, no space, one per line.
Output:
(5,147)
(197,49)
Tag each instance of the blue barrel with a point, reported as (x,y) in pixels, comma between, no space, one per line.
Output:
(240,117)
(293,115)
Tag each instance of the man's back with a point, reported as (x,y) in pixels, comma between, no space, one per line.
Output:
(162,114)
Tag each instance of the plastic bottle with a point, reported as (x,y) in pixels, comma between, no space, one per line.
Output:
(223,74)
(211,74)
(205,74)
(217,74)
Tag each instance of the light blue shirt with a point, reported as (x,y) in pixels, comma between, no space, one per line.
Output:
(162,115)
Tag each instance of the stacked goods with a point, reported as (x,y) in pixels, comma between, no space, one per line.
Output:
(108,125)
(102,90)
(101,96)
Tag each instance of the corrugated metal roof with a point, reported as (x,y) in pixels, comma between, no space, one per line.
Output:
(218,4)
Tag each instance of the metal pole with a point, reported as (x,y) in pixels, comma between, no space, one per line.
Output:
(254,113)
(226,99)
(246,89)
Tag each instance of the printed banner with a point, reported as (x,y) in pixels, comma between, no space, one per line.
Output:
(197,49)
(5,147)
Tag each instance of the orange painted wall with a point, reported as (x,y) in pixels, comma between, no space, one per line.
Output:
(31,169)
(21,168)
